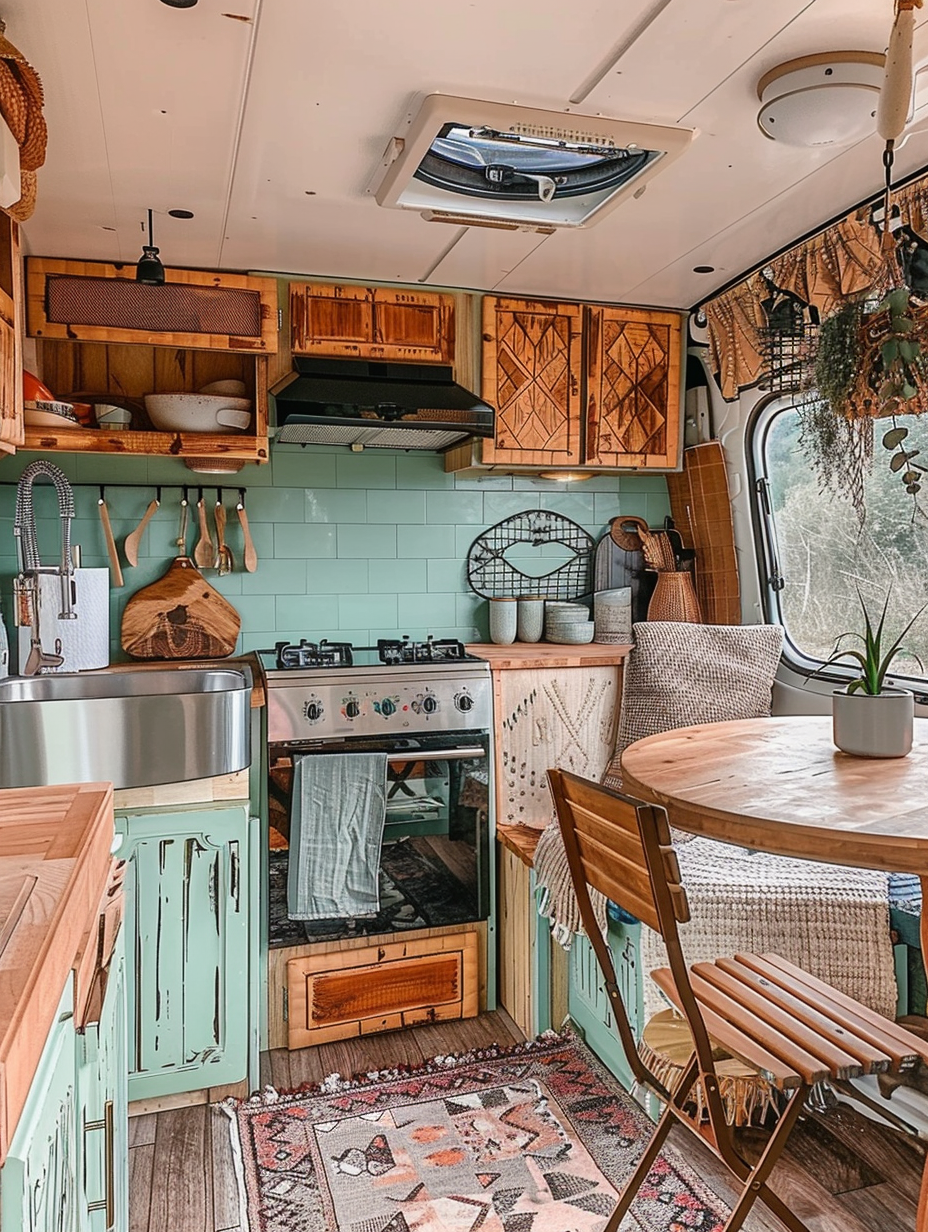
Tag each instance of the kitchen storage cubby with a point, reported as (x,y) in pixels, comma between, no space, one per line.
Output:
(100,332)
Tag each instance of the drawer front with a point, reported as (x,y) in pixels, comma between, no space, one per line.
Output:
(381,988)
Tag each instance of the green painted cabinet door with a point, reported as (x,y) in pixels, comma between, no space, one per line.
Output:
(102,1108)
(38,1184)
(187,928)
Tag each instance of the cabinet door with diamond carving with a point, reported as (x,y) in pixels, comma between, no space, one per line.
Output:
(532,354)
(633,362)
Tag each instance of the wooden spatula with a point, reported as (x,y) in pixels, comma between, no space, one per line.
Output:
(204,554)
(116,577)
(131,546)
(250,557)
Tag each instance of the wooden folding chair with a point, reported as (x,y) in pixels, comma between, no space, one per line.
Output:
(793,1029)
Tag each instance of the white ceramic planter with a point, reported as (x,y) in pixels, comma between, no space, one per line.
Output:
(873,726)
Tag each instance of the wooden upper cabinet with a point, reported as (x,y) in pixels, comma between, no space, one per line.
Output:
(90,301)
(633,369)
(532,359)
(385,323)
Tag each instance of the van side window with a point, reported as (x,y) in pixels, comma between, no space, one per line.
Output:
(816,553)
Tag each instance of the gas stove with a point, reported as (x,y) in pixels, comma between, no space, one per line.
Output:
(332,691)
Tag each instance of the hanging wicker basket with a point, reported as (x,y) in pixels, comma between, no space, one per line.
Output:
(21,102)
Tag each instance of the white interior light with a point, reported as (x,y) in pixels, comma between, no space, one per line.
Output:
(467,159)
(825,99)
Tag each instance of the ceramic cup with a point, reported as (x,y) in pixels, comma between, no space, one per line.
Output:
(503,620)
(530,622)
(612,615)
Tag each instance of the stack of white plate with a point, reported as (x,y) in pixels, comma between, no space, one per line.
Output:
(568,623)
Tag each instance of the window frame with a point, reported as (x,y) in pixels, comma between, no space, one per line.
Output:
(767,556)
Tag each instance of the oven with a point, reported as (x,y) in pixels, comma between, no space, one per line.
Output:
(431,716)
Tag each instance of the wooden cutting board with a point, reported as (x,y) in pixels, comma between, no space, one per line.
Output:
(180,617)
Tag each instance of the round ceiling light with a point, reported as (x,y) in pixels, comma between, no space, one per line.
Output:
(826,99)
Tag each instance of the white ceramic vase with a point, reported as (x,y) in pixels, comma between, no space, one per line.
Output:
(873,725)
(503,615)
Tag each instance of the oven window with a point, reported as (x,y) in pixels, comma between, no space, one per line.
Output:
(817,553)
(435,856)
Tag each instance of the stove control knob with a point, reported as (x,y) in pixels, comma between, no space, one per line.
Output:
(464,702)
(313,710)
(430,703)
(352,708)
(387,707)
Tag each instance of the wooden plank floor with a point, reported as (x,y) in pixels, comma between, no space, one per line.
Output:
(840,1172)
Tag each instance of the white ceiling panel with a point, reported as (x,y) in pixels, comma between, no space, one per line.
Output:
(686,52)
(269,128)
(481,257)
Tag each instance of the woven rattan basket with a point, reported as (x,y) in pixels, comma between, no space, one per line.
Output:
(674,598)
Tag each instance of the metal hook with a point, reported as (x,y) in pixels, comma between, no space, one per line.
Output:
(158,493)
(102,497)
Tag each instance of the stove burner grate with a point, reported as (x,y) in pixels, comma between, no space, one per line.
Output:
(441,650)
(313,654)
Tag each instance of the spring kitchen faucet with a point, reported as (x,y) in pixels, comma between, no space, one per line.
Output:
(30,564)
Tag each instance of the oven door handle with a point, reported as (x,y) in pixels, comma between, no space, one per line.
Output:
(456,754)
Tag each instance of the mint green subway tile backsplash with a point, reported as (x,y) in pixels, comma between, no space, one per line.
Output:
(350,545)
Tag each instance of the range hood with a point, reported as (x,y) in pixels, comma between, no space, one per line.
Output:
(375,405)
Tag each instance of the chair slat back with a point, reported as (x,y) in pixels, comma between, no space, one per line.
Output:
(603,834)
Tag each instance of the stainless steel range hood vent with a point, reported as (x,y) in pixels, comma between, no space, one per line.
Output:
(377,405)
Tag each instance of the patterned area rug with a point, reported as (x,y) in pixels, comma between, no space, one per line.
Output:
(521,1140)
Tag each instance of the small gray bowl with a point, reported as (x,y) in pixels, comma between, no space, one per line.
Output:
(576,634)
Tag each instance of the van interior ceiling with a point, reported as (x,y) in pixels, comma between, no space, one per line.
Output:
(463,616)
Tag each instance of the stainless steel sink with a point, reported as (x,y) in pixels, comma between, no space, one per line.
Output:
(131,728)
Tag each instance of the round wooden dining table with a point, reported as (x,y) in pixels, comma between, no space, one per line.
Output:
(780,785)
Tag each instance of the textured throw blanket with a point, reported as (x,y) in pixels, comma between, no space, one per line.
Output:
(336,830)
(832,921)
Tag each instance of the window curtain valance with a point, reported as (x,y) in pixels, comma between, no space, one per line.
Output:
(843,261)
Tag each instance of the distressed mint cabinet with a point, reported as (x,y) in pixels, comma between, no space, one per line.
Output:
(102,1108)
(188,929)
(38,1184)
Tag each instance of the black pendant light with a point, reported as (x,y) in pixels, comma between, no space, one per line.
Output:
(149,268)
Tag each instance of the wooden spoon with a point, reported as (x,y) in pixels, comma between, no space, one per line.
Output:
(225,562)
(204,554)
(131,546)
(251,556)
(116,577)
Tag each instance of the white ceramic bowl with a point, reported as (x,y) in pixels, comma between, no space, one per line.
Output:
(198,412)
(576,634)
(229,389)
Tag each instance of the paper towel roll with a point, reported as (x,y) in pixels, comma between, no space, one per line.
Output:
(85,641)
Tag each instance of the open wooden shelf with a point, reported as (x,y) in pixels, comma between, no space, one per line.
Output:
(237,447)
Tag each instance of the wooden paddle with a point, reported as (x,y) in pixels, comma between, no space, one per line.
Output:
(131,546)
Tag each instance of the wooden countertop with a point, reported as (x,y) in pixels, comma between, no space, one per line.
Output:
(528,655)
(55,852)
(258,691)
(520,840)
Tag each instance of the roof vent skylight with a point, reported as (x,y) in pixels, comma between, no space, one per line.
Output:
(498,161)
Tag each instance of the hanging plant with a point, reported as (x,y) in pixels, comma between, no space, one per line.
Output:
(868,365)
(838,356)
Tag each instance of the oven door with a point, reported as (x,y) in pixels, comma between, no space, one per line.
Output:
(435,862)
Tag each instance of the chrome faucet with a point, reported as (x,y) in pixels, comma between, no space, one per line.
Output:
(26,585)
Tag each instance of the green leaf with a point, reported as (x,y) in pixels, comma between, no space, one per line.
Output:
(903,325)
(908,391)
(897,301)
(894,437)
(890,351)
(898,460)
(908,350)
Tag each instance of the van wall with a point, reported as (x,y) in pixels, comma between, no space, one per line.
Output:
(350,545)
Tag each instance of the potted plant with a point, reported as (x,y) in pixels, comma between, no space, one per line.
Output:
(872,719)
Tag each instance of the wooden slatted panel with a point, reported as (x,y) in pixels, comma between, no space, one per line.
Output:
(613,857)
(817,992)
(867,1043)
(701,507)
(818,1039)
(770,1067)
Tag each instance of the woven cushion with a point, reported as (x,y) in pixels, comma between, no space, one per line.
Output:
(682,674)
